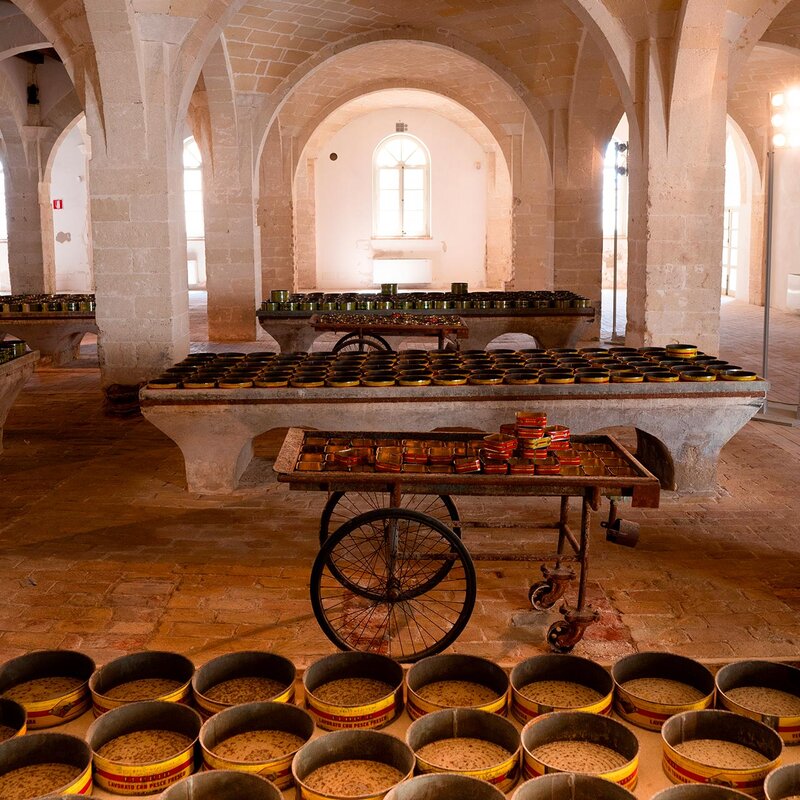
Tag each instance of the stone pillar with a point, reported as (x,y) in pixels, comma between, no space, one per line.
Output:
(578,240)
(25,259)
(136,196)
(677,195)
(232,280)
(275,214)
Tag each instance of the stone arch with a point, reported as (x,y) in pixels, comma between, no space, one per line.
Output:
(498,245)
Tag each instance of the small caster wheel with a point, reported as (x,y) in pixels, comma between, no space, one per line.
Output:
(559,630)
(541,596)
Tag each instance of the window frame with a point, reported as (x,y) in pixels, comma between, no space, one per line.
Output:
(426,189)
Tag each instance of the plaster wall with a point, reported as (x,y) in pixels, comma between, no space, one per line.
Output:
(457,244)
(71,223)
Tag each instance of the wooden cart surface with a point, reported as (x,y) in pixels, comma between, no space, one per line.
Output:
(393,574)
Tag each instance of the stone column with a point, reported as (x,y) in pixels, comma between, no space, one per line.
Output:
(676,196)
(136,196)
(232,280)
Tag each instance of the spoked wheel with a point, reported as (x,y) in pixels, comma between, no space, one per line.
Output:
(393,581)
(369,342)
(343,506)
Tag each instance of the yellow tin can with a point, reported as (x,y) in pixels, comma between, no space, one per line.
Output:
(51,748)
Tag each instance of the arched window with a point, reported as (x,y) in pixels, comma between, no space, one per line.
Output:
(401,202)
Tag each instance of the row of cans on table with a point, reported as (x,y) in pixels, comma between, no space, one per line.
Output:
(11,349)
(459,298)
(544,723)
(47,303)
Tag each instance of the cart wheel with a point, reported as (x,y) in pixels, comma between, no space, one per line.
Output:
(557,633)
(542,596)
(343,506)
(353,343)
(393,581)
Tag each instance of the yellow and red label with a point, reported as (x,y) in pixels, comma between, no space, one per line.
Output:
(48,713)
(626,776)
(417,706)
(132,779)
(788,728)
(524,709)
(208,707)
(649,715)
(680,769)
(503,775)
(82,785)
(102,703)
(372,715)
(279,770)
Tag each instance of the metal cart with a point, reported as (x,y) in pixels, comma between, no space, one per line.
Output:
(393,575)
(364,332)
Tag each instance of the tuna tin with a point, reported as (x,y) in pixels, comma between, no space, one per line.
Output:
(444,787)
(719,747)
(43,763)
(152,675)
(223,785)
(551,682)
(51,685)
(575,741)
(699,791)
(244,677)
(354,690)
(347,763)
(783,783)
(142,748)
(652,687)
(456,681)
(571,786)
(765,691)
(467,742)
(257,738)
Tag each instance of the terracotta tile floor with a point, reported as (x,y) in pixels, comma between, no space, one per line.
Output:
(102,549)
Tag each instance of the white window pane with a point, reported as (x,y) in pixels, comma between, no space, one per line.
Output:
(389,201)
(388,223)
(414,223)
(414,201)
(389,179)
(194,224)
(413,179)
(734,258)
(192,179)
(395,148)
(191,154)
(385,158)
(416,158)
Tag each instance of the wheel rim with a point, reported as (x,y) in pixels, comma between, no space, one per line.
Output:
(343,506)
(396,598)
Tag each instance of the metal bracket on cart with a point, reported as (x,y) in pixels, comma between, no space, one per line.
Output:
(545,594)
(565,634)
(620,531)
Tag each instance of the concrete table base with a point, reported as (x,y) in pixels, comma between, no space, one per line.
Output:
(13,375)
(550,328)
(57,337)
(681,427)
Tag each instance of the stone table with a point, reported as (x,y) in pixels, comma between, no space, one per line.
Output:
(551,327)
(680,427)
(13,375)
(56,335)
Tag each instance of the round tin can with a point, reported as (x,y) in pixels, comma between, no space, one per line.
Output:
(472,669)
(121,777)
(13,717)
(764,675)
(727,727)
(373,714)
(50,748)
(468,723)
(783,782)
(571,786)
(243,664)
(345,746)
(157,665)
(256,717)
(650,714)
(699,791)
(581,726)
(444,787)
(566,668)
(223,785)
(41,665)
